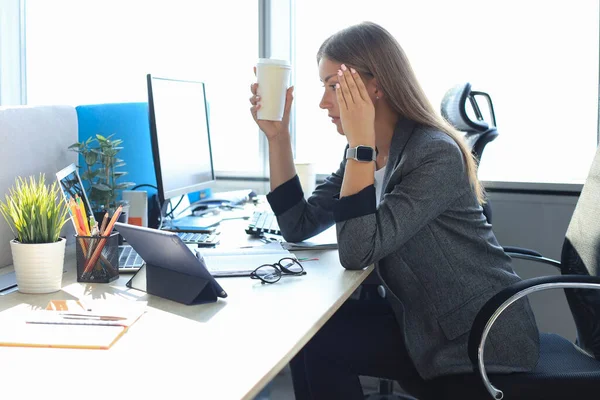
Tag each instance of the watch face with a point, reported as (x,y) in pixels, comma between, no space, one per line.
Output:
(364,153)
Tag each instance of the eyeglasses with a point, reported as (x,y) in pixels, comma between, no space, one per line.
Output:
(271,273)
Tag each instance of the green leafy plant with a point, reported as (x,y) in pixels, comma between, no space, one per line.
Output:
(100,173)
(34,211)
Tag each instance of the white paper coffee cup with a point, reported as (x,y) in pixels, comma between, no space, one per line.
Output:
(273,78)
(307,174)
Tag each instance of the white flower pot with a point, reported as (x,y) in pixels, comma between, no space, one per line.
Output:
(38,266)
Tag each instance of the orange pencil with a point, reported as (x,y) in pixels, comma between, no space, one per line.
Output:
(83,214)
(114,218)
(73,217)
(104,222)
(100,246)
(77,223)
(81,221)
(76,218)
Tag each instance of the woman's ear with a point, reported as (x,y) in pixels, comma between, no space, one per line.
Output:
(374,91)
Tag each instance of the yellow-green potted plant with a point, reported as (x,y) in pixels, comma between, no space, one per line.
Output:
(36,214)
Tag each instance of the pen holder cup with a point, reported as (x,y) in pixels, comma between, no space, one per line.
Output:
(97,258)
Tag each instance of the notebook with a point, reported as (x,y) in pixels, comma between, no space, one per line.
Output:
(326,240)
(68,324)
(241,261)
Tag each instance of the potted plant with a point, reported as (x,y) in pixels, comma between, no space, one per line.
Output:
(36,214)
(101,174)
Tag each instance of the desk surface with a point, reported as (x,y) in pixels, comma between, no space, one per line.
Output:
(226,350)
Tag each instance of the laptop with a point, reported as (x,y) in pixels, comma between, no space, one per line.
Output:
(129,260)
(166,250)
(184,219)
(7,282)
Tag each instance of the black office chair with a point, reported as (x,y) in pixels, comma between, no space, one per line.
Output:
(478,131)
(565,369)
(458,102)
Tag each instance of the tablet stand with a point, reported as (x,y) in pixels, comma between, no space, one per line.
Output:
(173,285)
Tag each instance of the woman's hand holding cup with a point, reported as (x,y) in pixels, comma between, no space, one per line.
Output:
(272,101)
(272,128)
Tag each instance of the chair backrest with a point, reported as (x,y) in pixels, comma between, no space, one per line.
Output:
(478,132)
(581,256)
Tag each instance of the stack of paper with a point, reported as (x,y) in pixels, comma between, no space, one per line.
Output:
(326,240)
(241,261)
(69,324)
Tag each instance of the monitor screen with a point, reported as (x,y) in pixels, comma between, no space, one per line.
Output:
(180,136)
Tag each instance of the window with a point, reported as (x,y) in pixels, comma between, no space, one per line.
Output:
(538,60)
(99,51)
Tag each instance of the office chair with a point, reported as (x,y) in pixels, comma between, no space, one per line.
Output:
(477,132)
(564,369)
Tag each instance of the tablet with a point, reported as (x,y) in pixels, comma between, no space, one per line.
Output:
(166,250)
(71,186)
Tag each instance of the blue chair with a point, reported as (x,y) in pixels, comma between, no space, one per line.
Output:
(129,122)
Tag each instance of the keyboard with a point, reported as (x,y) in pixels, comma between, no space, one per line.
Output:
(129,259)
(263,222)
(200,239)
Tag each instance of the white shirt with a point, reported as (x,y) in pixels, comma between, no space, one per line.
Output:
(378,184)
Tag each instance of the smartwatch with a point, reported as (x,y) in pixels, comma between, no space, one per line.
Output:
(361,153)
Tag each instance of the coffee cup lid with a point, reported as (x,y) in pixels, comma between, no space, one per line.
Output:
(273,61)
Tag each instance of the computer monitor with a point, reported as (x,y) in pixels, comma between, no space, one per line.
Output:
(180,137)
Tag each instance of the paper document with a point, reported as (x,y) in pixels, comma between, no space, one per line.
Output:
(271,248)
(241,261)
(326,240)
(96,324)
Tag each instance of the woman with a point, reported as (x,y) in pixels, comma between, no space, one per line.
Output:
(408,200)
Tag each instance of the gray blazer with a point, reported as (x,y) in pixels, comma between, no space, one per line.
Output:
(431,246)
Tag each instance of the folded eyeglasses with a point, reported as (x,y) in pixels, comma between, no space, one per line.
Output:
(271,273)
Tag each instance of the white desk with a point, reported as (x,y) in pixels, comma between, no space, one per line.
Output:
(226,350)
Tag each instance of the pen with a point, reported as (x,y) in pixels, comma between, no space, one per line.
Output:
(84,314)
(94,233)
(76,322)
(94,226)
(92,317)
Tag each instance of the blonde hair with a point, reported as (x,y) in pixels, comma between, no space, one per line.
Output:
(371,49)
